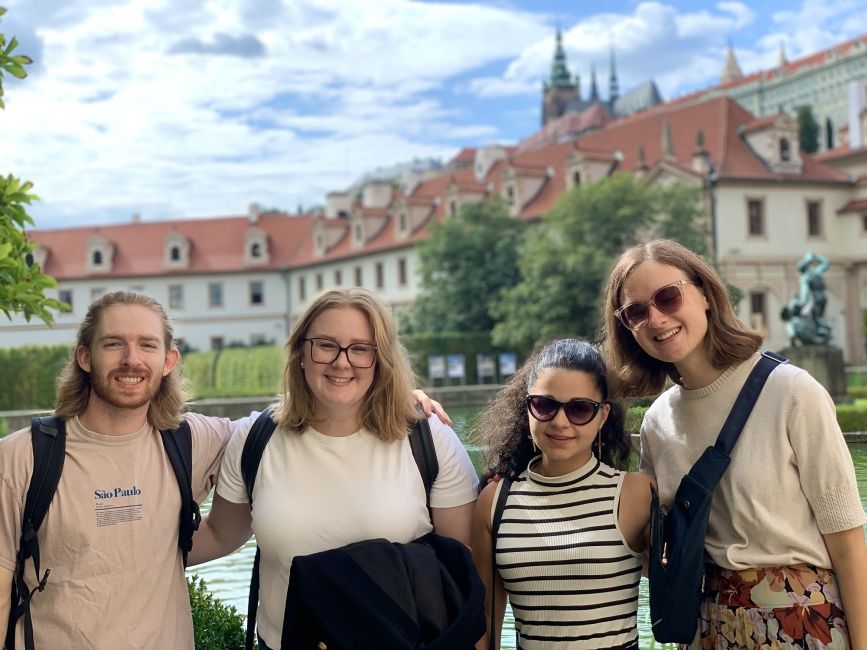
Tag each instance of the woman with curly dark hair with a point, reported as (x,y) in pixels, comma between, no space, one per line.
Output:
(568,550)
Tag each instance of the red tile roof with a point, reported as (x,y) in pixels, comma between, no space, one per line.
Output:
(856,205)
(217,245)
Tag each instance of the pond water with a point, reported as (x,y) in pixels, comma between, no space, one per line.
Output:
(229,577)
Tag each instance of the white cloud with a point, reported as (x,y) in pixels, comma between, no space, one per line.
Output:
(151,106)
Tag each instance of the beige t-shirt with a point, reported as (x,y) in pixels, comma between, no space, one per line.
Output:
(791,476)
(110,537)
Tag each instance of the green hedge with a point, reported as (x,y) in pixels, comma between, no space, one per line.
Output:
(28,375)
(236,372)
(420,346)
(852,417)
(216,626)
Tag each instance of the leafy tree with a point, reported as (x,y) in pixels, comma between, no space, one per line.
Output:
(808,130)
(22,283)
(565,261)
(465,264)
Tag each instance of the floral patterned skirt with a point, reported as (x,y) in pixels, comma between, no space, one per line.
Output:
(773,608)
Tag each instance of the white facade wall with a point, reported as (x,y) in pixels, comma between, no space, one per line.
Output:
(394,293)
(765,264)
(197,323)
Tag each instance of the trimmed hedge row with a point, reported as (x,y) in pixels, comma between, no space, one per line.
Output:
(28,375)
(235,372)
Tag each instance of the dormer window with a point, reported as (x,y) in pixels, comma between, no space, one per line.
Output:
(256,246)
(510,195)
(176,250)
(100,252)
(402,221)
(359,233)
(785,150)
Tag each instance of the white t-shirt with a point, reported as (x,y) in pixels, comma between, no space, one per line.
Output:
(315,492)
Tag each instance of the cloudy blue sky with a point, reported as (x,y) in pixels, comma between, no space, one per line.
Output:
(196,108)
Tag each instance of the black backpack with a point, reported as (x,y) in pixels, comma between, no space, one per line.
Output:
(48,436)
(423,451)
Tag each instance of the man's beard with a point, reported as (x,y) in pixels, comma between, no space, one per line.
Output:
(105,389)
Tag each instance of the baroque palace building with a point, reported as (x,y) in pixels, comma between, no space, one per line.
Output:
(248,278)
(826,81)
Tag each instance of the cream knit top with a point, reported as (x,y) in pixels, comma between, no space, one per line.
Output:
(791,477)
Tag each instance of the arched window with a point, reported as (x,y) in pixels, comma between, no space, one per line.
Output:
(97,258)
(175,253)
(255,250)
(785,150)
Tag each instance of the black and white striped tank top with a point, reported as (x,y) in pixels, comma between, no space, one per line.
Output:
(572,580)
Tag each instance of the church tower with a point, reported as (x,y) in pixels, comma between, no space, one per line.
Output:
(731,69)
(559,90)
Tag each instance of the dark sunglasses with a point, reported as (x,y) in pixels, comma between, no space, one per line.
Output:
(578,411)
(667,299)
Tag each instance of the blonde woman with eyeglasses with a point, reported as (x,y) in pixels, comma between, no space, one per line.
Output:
(338,469)
(785,538)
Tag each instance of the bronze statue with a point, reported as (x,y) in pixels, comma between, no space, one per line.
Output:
(805,312)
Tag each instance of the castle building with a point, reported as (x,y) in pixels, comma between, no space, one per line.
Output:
(821,81)
(561,93)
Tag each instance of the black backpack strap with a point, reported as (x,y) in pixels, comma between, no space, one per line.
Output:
(178,444)
(254,447)
(251,456)
(425,454)
(495,527)
(48,437)
(745,401)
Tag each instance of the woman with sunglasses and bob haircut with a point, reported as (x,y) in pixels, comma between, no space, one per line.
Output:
(338,468)
(785,539)
(570,543)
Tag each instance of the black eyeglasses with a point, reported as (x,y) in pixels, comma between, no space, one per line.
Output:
(667,299)
(578,411)
(359,355)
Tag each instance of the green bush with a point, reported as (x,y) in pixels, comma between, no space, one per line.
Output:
(857,392)
(852,417)
(216,626)
(28,375)
(236,372)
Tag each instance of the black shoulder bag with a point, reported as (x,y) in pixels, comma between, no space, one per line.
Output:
(676,558)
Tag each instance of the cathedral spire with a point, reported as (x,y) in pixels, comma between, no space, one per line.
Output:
(594,90)
(731,69)
(783,60)
(613,89)
(559,71)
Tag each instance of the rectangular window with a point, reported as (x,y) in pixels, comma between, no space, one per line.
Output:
(65,295)
(338,277)
(176,296)
(401,271)
(358,277)
(319,282)
(814,219)
(756,217)
(216,342)
(215,297)
(96,293)
(302,288)
(257,292)
(380,276)
(864,223)
(758,315)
